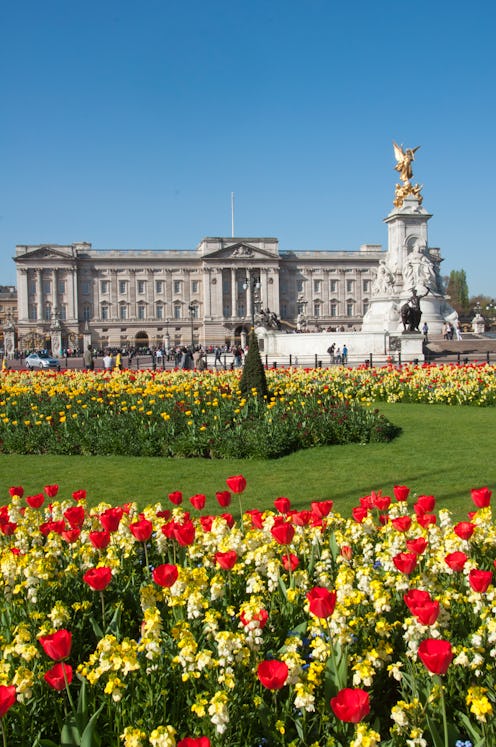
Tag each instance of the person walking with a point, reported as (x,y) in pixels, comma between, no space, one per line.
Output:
(108,361)
(88,359)
(344,355)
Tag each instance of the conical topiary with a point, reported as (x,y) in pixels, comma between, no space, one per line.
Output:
(253,376)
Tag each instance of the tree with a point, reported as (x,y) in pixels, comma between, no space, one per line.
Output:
(253,376)
(457,291)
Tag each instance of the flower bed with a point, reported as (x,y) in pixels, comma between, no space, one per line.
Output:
(176,626)
(178,414)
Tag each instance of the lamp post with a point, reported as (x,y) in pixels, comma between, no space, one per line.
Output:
(252,284)
(192,310)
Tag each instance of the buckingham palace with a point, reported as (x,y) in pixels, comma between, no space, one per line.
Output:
(205,296)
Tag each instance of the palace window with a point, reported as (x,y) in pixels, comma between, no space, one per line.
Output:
(159,286)
(194,286)
(104,286)
(177,286)
(333,286)
(366,286)
(159,311)
(86,313)
(299,285)
(33,314)
(48,312)
(334,308)
(47,286)
(317,285)
(141,311)
(63,311)
(122,287)
(300,308)
(350,308)
(85,287)
(316,309)
(61,286)
(349,286)
(123,311)
(104,311)
(177,311)
(141,286)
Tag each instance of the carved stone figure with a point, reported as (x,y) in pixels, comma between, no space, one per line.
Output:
(383,283)
(419,270)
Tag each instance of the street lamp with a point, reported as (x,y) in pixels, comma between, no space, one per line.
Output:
(252,284)
(192,312)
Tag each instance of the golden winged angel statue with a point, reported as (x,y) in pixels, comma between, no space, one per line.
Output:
(404,160)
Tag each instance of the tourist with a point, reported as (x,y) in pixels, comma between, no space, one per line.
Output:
(108,361)
(344,355)
(88,359)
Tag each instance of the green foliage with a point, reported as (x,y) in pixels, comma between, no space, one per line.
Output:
(457,290)
(253,377)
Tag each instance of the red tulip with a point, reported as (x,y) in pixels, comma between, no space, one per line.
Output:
(236,484)
(165,575)
(52,526)
(7,698)
(283,533)
(229,519)
(79,495)
(74,516)
(223,498)
(256,517)
(301,518)
(100,540)
(194,742)
(226,560)
(480,580)
(435,654)
(176,497)
(206,522)
(57,645)
(35,501)
(402,523)
(346,552)
(464,529)
(417,545)
(51,490)
(367,501)
(351,705)
(456,560)
(272,673)
(98,578)
(405,562)
(427,613)
(282,504)
(16,490)
(425,519)
(184,533)
(290,562)
(71,535)
(321,601)
(55,676)
(481,497)
(424,504)
(359,513)
(321,509)
(198,501)
(261,617)
(141,530)
(110,518)
(8,528)
(401,492)
(415,598)
(381,502)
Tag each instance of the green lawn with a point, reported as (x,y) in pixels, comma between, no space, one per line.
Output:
(442,451)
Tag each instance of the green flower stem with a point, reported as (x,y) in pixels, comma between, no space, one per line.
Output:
(102,600)
(443,708)
(4,735)
(68,691)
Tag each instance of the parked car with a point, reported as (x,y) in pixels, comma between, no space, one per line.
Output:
(41,360)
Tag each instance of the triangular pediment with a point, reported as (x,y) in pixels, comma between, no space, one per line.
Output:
(44,251)
(239,249)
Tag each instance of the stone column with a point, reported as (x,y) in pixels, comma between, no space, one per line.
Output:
(114,304)
(22,295)
(233,292)
(54,290)
(72,304)
(133,311)
(39,294)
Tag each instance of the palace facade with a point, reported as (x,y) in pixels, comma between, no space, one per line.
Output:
(162,299)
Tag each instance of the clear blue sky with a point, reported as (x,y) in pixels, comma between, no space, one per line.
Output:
(129,124)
